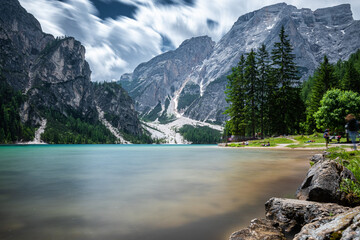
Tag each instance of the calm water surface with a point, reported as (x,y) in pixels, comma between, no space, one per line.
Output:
(139,191)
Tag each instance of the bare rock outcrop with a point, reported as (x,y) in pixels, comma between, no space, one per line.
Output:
(343,226)
(259,229)
(292,214)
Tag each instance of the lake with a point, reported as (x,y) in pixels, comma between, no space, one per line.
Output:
(130,192)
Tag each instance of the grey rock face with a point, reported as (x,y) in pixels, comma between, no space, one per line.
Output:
(259,229)
(21,40)
(331,31)
(345,225)
(322,183)
(119,107)
(158,79)
(60,79)
(291,214)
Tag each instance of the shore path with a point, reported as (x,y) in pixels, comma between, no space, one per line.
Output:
(284,146)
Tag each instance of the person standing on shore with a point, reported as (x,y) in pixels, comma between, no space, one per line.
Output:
(353,128)
(327,137)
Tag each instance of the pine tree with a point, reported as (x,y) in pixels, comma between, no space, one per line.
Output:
(351,79)
(264,86)
(287,93)
(251,91)
(235,96)
(324,80)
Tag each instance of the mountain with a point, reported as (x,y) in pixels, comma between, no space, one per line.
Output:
(155,83)
(198,91)
(55,80)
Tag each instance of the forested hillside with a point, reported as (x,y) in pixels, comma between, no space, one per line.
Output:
(266,97)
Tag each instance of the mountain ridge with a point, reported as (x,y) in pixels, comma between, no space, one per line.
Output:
(331,31)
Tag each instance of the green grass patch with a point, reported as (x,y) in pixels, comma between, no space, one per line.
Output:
(259,143)
(350,160)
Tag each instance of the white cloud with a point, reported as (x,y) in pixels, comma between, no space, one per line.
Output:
(114,47)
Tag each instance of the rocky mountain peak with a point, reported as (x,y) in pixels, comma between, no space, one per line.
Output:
(196,41)
(15,16)
(333,16)
(156,81)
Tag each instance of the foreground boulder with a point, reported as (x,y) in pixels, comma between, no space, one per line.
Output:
(322,183)
(259,229)
(292,214)
(345,226)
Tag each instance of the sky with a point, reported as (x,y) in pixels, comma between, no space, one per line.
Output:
(120,34)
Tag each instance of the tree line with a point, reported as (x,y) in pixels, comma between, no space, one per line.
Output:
(265,94)
(200,134)
(11,128)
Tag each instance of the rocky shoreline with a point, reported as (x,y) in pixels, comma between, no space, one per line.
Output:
(321,211)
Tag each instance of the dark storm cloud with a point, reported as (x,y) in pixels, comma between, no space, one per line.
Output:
(113,9)
(167,45)
(176,2)
(212,24)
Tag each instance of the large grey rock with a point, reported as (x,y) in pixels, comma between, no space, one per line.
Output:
(345,225)
(292,214)
(322,183)
(259,229)
(331,31)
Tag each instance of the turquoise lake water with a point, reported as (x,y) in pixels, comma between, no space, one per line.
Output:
(150,192)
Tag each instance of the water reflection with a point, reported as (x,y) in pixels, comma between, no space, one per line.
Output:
(132,192)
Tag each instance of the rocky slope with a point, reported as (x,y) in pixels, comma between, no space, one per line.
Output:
(54,75)
(160,80)
(198,90)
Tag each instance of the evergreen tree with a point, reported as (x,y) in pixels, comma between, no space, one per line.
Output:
(235,96)
(264,86)
(287,90)
(351,79)
(324,80)
(251,91)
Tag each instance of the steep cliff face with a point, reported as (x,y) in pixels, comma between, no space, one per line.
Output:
(21,41)
(331,31)
(60,80)
(53,74)
(119,108)
(157,82)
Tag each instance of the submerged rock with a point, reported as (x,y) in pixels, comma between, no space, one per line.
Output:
(342,226)
(259,229)
(292,214)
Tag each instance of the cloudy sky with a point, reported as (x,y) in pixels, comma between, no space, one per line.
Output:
(120,34)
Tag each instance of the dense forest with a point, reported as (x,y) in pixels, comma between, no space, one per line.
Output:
(266,97)
(11,128)
(200,135)
(74,130)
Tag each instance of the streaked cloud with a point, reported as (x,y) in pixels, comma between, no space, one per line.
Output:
(143,28)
